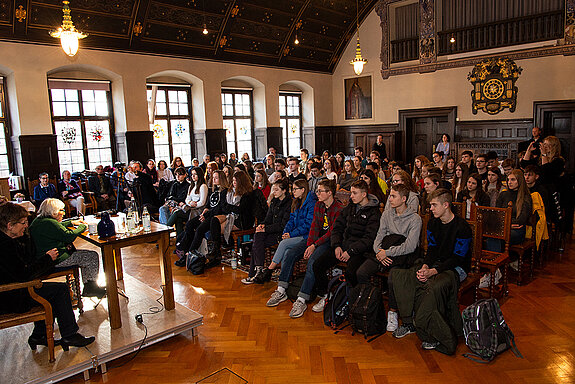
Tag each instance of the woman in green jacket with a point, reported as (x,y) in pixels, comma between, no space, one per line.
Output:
(49,231)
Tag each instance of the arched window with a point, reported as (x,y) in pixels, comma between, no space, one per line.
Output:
(291,122)
(171,121)
(238,121)
(82,119)
(4,133)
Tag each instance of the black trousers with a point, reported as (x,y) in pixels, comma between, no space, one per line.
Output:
(58,295)
(212,225)
(262,240)
(184,239)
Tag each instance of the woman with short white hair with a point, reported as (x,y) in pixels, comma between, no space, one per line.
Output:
(48,231)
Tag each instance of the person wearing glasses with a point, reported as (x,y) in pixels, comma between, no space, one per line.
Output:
(20,264)
(402,177)
(482,169)
(44,190)
(326,212)
(49,231)
(102,188)
(426,294)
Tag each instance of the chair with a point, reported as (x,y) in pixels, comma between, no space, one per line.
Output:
(474,276)
(343,197)
(41,312)
(90,202)
(493,223)
(72,275)
(33,183)
(460,209)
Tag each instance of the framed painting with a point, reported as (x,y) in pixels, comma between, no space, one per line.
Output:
(358,99)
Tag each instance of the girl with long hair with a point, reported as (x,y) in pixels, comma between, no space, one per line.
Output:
(150,169)
(402,177)
(460,180)
(261,182)
(339,160)
(193,204)
(518,194)
(295,232)
(229,172)
(325,155)
(176,163)
(418,163)
(210,169)
(473,193)
(163,171)
(348,176)
(448,171)
(330,168)
(494,184)
(369,177)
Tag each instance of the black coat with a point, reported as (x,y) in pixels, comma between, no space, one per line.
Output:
(355,229)
(146,186)
(278,215)
(18,263)
(178,191)
(94,185)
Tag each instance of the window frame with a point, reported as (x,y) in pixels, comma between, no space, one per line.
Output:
(233,92)
(169,117)
(82,119)
(5,119)
(287,117)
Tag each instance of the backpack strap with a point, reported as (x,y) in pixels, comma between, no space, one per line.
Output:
(475,357)
(515,349)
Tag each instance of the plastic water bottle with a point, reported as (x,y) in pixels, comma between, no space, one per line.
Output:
(130,223)
(135,210)
(146,220)
(234,260)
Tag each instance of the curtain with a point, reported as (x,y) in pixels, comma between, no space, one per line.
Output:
(407,21)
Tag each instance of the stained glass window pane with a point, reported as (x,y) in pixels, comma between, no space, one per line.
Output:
(180,131)
(98,134)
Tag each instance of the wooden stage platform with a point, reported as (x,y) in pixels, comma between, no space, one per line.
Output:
(19,364)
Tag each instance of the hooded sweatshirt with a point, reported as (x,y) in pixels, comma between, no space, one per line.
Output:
(356,227)
(407,224)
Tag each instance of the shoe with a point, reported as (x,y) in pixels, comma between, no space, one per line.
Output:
(298,309)
(320,305)
(513,265)
(428,346)
(91,289)
(180,262)
(248,280)
(392,321)
(34,341)
(276,298)
(403,330)
(264,276)
(76,340)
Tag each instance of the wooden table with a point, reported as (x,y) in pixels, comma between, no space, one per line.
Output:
(112,257)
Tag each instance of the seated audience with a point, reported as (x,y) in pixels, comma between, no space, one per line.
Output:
(270,164)
(295,234)
(417,175)
(143,186)
(437,158)
(71,192)
(326,211)
(164,173)
(270,231)
(330,170)
(48,231)
(44,190)
(357,163)
(402,177)
(481,164)
(460,179)
(325,155)
(246,157)
(448,170)
(315,176)
(348,176)
(518,195)
(206,160)
(294,173)
(494,185)
(358,152)
(426,294)
(262,183)
(369,177)
(102,188)
(304,156)
(19,264)
(395,245)
(176,163)
(175,204)
(467,159)
(150,169)
(431,182)
(233,159)
(229,171)
(473,193)
(374,167)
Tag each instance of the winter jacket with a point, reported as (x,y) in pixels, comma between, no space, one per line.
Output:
(278,215)
(300,220)
(407,224)
(355,229)
(178,191)
(448,245)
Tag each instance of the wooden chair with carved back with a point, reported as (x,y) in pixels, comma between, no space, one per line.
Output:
(90,202)
(494,223)
(33,183)
(43,311)
(474,276)
(460,209)
(72,275)
(522,249)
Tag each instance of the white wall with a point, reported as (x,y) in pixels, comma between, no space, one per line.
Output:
(547,78)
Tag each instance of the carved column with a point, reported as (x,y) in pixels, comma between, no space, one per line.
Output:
(570,22)
(427,36)
(382,10)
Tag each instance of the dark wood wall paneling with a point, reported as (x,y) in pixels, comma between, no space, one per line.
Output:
(346,138)
(275,138)
(140,145)
(216,141)
(39,154)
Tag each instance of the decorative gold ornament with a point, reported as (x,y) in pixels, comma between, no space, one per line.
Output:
(137,29)
(494,85)
(20,13)
(67,34)
(223,41)
(235,11)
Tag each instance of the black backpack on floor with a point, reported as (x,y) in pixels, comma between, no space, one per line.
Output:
(195,263)
(336,307)
(366,310)
(486,332)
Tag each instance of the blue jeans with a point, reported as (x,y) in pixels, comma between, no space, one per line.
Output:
(164,214)
(517,236)
(286,245)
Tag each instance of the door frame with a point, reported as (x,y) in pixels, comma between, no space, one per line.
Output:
(405,114)
(540,107)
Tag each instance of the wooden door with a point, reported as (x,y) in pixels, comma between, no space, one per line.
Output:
(562,125)
(423,134)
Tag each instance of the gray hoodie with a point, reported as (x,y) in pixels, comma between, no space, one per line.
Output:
(412,202)
(407,224)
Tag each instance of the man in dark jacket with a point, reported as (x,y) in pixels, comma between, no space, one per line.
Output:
(100,185)
(143,187)
(351,241)
(18,263)
(426,294)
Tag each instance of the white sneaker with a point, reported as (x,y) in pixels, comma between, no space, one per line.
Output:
(248,280)
(320,305)
(392,321)
(276,298)
(298,309)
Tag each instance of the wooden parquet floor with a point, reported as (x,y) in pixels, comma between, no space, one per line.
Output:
(263,345)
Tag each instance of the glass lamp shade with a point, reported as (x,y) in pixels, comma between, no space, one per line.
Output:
(358,62)
(69,42)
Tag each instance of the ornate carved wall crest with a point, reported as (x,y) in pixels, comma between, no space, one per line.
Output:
(494,87)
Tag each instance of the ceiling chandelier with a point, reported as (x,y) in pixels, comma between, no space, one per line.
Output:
(67,34)
(358,62)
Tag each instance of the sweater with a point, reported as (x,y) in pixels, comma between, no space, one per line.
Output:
(448,245)
(42,193)
(412,202)
(356,227)
(299,222)
(511,196)
(200,197)
(407,224)
(278,215)
(48,233)
(178,191)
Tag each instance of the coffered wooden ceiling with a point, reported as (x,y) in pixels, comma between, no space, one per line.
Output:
(260,32)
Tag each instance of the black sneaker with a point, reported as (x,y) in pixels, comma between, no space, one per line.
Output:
(264,276)
(403,330)
(180,262)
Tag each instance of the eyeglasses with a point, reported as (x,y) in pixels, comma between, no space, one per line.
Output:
(62,210)
(322,190)
(297,188)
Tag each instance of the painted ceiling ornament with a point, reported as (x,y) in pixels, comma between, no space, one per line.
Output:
(494,85)
(96,133)
(158,131)
(69,135)
(180,130)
